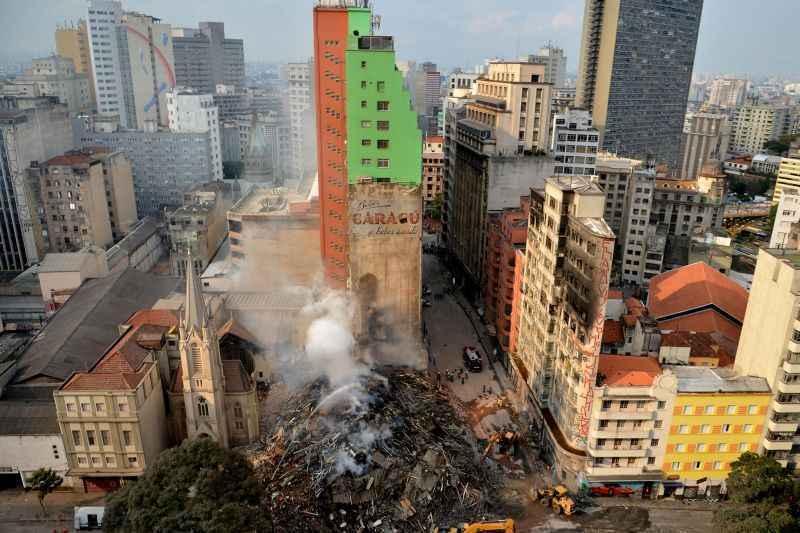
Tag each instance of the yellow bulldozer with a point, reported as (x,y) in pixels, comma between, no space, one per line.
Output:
(501,526)
(556,497)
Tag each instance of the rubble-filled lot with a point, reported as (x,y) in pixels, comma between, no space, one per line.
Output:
(391,452)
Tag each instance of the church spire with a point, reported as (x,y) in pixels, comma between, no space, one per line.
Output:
(194,308)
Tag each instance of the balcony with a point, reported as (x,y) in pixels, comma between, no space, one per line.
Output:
(794,346)
(621,433)
(777,445)
(620,451)
(781,426)
(791,364)
(786,407)
(789,388)
(626,414)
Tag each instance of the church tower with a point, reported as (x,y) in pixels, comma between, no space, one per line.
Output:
(201,368)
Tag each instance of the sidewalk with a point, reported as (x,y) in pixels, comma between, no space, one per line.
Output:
(20,510)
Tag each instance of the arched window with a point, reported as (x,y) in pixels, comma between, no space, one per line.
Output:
(197,358)
(202,406)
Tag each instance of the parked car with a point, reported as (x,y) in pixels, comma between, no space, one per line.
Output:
(612,490)
(472,359)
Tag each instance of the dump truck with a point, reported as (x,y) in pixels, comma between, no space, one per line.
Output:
(556,497)
(502,526)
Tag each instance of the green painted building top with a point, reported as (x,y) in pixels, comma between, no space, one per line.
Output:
(383,140)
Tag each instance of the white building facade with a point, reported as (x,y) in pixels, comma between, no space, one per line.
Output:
(189,112)
(574,143)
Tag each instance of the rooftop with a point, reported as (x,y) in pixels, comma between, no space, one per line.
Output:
(627,371)
(694,379)
(700,344)
(274,202)
(787,255)
(576,184)
(598,226)
(64,262)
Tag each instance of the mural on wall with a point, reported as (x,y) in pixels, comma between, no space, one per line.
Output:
(145,64)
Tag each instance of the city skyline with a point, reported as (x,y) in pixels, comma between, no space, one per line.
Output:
(481,30)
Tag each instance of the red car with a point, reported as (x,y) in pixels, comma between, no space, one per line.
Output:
(614,490)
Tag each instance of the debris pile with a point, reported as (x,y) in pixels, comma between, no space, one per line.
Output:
(390,453)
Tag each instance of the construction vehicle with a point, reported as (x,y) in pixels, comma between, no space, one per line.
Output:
(501,526)
(556,497)
(506,441)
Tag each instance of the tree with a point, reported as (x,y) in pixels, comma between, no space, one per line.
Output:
(763,497)
(776,147)
(44,481)
(435,207)
(197,486)
(232,170)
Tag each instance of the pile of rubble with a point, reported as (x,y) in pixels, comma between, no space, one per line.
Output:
(389,453)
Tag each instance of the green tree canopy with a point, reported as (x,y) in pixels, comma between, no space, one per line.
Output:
(197,487)
(44,481)
(763,498)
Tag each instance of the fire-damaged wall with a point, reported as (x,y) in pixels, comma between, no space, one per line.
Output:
(385,221)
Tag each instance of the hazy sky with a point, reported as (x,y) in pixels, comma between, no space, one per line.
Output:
(449,32)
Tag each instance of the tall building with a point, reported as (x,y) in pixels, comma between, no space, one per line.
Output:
(133,63)
(190,112)
(301,118)
(369,153)
(461,84)
(640,115)
(73,42)
(574,143)
(26,135)
(496,156)
(707,137)
(788,172)
(568,262)
(55,76)
(753,124)
(727,92)
(785,229)
(555,64)
(769,347)
(432,168)
(205,58)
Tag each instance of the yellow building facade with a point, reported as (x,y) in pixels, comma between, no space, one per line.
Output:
(716,417)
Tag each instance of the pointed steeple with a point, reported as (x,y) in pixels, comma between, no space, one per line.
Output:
(194,308)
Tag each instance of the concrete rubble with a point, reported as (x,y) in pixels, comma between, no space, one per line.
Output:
(390,453)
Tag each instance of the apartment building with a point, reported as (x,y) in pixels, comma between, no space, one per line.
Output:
(706,137)
(301,118)
(788,172)
(785,229)
(199,226)
(191,112)
(753,124)
(631,414)
(461,84)
(727,92)
(614,175)
(494,154)
(718,415)
(574,143)
(642,243)
(689,207)
(432,168)
(56,76)
(72,42)
(769,348)
(205,57)
(638,116)
(507,234)
(113,416)
(569,251)
(555,62)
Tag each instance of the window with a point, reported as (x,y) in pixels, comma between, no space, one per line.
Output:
(730,410)
(126,437)
(705,428)
(363,84)
(86,407)
(658,424)
(76,437)
(364,104)
(662,405)
(123,407)
(640,404)
(239,424)
(381,86)
(717,465)
(683,428)
(81,460)
(603,424)
(383,163)
(709,410)
(366,162)
(747,428)
(752,409)
(131,461)
(680,448)
(105,437)
(383,144)
(722,447)
(363,64)
(366,142)
(701,447)
(95,460)
(620,424)
(366,123)
(202,407)
(70,407)
(687,409)
(90,438)
(100,407)
(651,460)
(726,428)
(383,105)
(237,410)
(606,404)
(697,465)
(743,446)
(676,465)
(383,125)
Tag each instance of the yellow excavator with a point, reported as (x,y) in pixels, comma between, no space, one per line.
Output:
(556,497)
(502,526)
(505,440)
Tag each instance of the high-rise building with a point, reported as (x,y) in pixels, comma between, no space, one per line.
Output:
(788,172)
(568,262)
(190,112)
(706,137)
(754,124)
(555,64)
(301,118)
(640,115)
(574,143)
(73,42)
(496,155)
(205,58)
(133,63)
(54,76)
(461,84)
(432,168)
(369,153)
(727,92)
(785,230)
(26,135)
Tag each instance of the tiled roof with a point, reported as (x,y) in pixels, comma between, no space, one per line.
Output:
(612,332)
(627,370)
(708,321)
(700,344)
(69,160)
(234,328)
(692,287)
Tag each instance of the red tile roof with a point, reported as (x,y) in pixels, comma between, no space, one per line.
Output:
(708,321)
(612,332)
(68,160)
(692,287)
(627,370)
(700,344)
